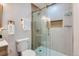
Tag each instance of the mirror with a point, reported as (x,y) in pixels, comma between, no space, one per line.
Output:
(1,14)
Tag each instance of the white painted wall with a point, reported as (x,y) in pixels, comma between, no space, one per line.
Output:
(16,11)
(57,11)
(61,40)
(76,29)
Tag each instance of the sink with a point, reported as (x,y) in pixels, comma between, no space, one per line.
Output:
(1,38)
(3,43)
(0,35)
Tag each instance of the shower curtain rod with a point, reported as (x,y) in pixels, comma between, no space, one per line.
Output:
(44,7)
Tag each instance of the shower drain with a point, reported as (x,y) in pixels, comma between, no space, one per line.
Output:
(40,50)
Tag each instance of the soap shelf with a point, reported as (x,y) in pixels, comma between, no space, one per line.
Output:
(56,24)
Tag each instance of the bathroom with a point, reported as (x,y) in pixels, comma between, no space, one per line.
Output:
(36,29)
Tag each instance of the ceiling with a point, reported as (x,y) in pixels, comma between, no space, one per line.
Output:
(41,5)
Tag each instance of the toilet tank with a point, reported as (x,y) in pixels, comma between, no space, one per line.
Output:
(22,44)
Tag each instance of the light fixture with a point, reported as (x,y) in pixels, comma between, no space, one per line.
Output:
(44,18)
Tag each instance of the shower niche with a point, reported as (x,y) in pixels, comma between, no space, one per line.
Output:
(55,24)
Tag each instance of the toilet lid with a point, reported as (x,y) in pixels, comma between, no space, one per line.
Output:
(28,53)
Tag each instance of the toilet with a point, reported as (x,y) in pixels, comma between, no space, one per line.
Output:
(22,46)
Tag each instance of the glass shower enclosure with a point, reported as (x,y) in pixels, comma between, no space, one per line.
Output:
(40,31)
(47,38)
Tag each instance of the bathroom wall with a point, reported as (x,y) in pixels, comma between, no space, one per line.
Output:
(16,11)
(61,38)
(76,29)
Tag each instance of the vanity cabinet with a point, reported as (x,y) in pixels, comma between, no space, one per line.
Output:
(3,51)
(3,48)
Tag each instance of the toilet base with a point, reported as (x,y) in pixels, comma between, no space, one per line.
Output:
(19,54)
(28,53)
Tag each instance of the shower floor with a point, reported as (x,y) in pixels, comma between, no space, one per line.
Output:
(43,51)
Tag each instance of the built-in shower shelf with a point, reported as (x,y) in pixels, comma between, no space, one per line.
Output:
(55,24)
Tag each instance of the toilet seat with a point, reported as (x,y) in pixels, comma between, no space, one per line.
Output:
(28,53)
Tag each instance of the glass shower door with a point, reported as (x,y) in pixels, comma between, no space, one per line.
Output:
(56,38)
(39,33)
(36,27)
